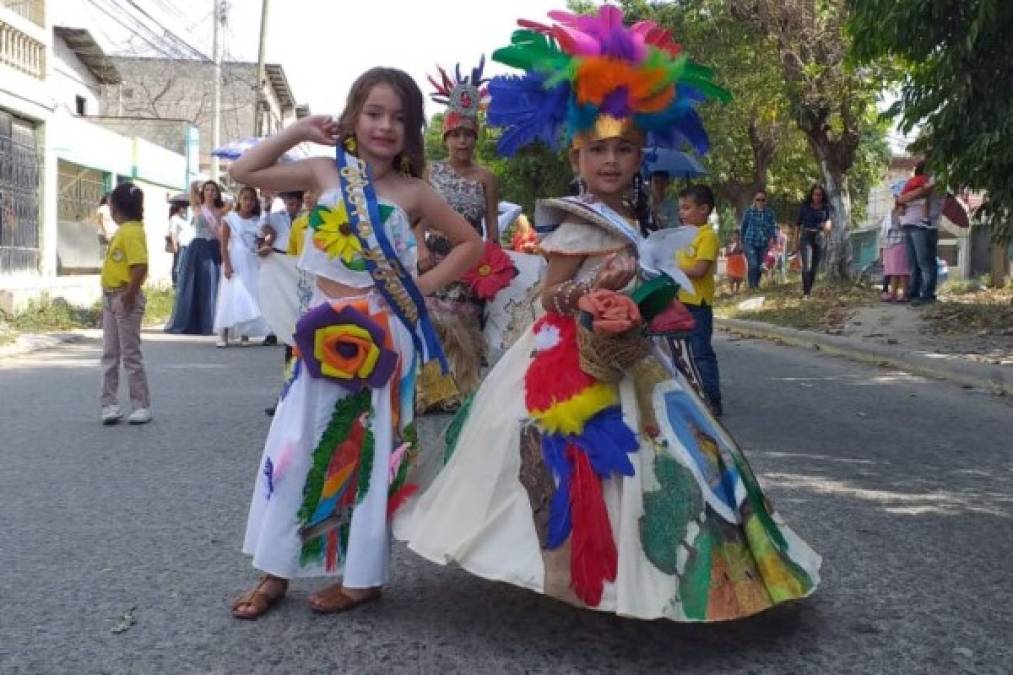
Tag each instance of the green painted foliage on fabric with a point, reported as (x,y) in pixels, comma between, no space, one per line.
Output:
(668,511)
(759,505)
(454,430)
(695,584)
(345,413)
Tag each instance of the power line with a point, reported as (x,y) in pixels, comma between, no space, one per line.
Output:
(132,30)
(200,55)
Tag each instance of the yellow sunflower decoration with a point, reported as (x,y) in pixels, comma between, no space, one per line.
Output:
(332,234)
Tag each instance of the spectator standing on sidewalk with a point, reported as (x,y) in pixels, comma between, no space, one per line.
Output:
(813,222)
(758,228)
(123,302)
(698,261)
(920,222)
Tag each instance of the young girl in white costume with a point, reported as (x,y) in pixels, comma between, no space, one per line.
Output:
(339,456)
(237,311)
(588,467)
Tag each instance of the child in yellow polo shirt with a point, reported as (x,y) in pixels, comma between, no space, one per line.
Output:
(123,273)
(698,261)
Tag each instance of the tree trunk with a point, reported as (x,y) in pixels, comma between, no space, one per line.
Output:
(1000,262)
(835,180)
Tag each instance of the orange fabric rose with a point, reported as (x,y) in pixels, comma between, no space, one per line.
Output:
(611,313)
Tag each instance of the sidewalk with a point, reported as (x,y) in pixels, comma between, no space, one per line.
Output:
(996,379)
(32,342)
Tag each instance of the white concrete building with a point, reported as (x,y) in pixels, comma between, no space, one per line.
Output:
(55,164)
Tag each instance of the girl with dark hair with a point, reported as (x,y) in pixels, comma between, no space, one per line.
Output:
(200,267)
(814,223)
(471,190)
(237,310)
(123,302)
(342,452)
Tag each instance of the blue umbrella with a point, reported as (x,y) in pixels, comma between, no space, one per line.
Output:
(676,164)
(235,149)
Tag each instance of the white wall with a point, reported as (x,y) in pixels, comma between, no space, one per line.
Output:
(31,98)
(71,78)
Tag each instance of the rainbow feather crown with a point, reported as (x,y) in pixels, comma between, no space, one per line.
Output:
(464,96)
(587,76)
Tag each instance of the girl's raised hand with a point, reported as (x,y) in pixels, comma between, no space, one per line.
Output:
(616,272)
(322,129)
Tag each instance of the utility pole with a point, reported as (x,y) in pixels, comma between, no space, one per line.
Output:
(216,114)
(258,117)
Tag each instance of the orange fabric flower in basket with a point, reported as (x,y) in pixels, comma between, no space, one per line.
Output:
(611,313)
(494,272)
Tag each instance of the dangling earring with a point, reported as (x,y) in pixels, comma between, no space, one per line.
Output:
(581,187)
(350,144)
(405,164)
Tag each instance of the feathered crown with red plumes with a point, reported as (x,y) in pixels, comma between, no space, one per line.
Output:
(464,96)
(593,77)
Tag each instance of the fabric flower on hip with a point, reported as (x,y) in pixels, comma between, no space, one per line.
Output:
(332,234)
(610,313)
(344,345)
(494,272)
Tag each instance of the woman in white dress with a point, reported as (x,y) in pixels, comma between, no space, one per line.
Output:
(238,310)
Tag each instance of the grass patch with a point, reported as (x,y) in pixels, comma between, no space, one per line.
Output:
(829,307)
(56,314)
(970,307)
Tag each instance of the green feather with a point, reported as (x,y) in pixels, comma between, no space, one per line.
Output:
(532,51)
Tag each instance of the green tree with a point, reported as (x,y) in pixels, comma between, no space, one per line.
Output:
(957,59)
(833,103)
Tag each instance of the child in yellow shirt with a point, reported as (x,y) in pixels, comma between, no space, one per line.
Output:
(123,302)
(698,261)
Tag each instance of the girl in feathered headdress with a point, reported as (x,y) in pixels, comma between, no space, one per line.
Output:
(470,189)
(588,466)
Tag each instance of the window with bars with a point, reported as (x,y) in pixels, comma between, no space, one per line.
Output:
(20,170)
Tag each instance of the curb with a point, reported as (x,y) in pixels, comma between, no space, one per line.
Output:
(994,379)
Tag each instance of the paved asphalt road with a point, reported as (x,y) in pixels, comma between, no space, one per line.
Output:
(119,547)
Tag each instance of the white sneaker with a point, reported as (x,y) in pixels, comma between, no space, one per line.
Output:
(140,416)
(111,414)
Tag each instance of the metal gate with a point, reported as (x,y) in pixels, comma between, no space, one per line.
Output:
(20,167)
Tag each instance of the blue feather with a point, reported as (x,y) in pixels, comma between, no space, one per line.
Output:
(526,111)
(554,453)
(607,441)
(579,117)
(560,523)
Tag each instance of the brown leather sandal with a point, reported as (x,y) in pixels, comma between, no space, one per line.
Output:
(258,599)
(333,599)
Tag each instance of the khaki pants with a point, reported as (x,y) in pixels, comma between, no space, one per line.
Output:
(121,341)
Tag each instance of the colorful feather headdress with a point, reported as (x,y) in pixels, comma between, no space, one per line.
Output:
(592,77)
(463,96)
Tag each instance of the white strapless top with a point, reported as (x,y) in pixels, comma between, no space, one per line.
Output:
(333,252)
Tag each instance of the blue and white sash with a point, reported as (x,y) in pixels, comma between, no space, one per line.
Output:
(394,282)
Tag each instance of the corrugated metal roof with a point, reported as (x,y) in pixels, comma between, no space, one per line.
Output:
(88,51)
(276,76)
